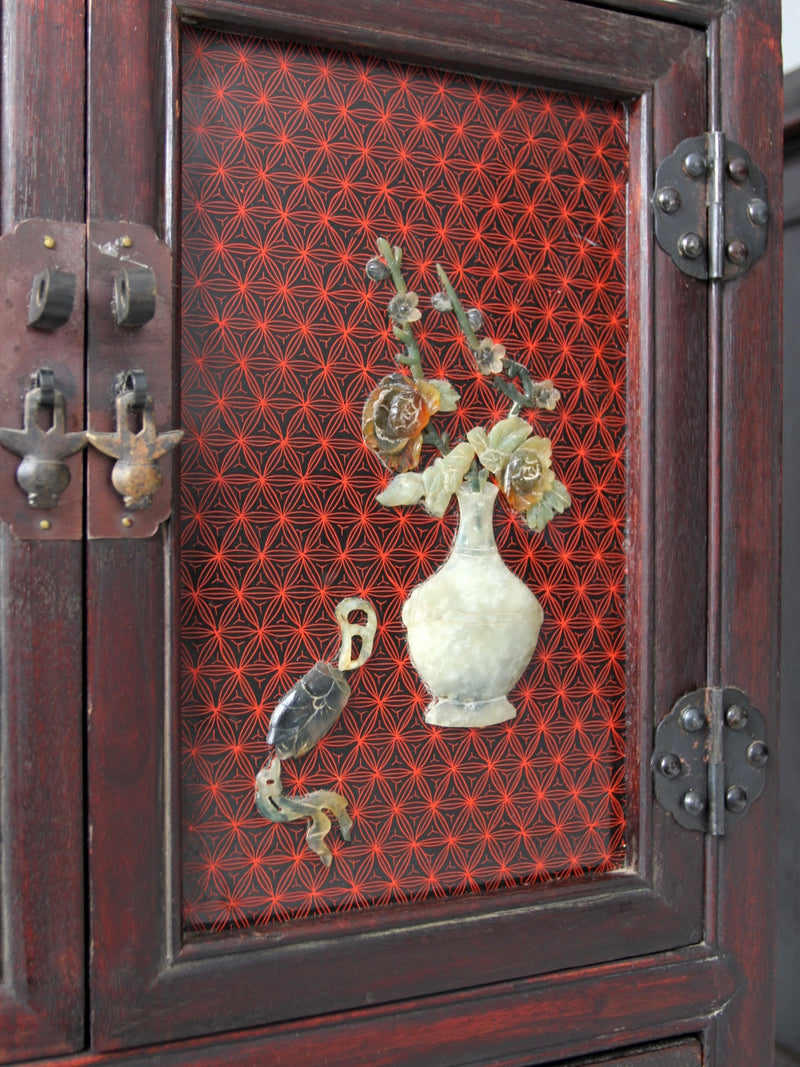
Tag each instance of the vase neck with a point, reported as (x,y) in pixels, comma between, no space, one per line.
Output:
(475,528)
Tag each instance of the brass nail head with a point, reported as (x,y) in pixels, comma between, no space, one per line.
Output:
(49,242)
(127,242)
(127,521)
(44,524)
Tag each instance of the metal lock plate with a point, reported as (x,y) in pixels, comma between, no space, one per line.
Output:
(130,326)
(710,207)
(37,259)
(710,758)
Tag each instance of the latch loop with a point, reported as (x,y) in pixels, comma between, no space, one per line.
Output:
(51,300)
(135,383)
(135,291)
(45,381)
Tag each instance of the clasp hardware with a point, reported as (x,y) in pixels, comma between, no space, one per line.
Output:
(710,207)
(710,758)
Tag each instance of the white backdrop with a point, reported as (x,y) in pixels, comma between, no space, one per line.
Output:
(791,34)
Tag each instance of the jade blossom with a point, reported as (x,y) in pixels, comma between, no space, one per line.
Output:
(398,413)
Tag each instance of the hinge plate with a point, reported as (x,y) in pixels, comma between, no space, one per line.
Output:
(711,209)
(709,759)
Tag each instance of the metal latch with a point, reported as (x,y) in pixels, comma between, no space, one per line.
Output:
(42,281)
(710,758)
(106,286)
(711,208)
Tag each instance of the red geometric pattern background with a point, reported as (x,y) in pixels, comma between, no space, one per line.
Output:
(294,161)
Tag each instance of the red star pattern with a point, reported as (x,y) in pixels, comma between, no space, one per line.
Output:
(295,160)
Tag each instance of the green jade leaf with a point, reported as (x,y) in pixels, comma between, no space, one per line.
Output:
(508,434)
(494,449)
(555,500)
(444,476)
(448,397)
(406,488)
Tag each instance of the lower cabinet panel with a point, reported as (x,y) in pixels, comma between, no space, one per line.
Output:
(675,1054)
(687,1052)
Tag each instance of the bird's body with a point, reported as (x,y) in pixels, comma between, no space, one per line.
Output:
(301,719)
(308,711)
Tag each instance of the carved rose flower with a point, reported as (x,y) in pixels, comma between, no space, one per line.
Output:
(395,414)
(489,357)
(527,475)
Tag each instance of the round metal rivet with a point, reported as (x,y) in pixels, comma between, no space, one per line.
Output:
(692,719)
(736,716)
(758,212)
(738,169)
(48,241)
(693,803)
(127,521)
(127,242)
(44,524)
(695,164)
(669,200)
(670,765)
(757,754)
(691,245)
(736,799)
(737,252)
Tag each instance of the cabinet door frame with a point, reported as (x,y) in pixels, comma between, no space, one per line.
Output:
(42,829)
(681,905)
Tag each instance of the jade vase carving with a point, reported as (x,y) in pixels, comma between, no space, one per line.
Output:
(473,625)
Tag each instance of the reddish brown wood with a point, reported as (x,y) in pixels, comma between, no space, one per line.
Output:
(534,1021)
(685,1054)
(41,997)
(664,1054)
(209,983)
(690,12)
(668,410)
(146,986)
(614,52)
(44,67)
(126,102)
(41,717)
(751,114)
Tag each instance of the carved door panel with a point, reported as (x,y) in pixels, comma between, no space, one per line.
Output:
(510,894)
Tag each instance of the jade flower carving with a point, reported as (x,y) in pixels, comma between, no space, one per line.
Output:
(397,418)
(395,414)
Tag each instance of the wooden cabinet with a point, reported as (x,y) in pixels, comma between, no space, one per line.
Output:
(510,896)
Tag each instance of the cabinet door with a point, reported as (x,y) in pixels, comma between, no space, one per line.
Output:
(512,894)
(41,582)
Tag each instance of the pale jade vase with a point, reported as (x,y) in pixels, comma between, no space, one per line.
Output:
(473,625)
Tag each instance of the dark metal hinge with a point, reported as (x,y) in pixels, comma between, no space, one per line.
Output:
(710,758)
(711,208)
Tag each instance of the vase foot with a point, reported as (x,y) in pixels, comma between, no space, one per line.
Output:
(466,714)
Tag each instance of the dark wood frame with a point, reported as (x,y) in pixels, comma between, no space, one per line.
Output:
(176,990)
(42,834)
(706,384)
